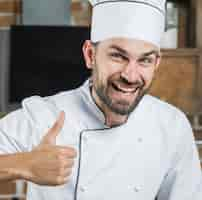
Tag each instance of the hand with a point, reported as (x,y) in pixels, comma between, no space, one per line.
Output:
(49,164)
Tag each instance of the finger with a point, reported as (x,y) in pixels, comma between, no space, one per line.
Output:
(69,163)
(66,162)
(50,137)
(56,128)
(67,172)
(62,180)
(69,152)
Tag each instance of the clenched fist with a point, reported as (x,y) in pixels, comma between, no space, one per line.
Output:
(49,164)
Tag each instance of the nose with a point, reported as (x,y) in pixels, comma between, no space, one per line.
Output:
(131,72)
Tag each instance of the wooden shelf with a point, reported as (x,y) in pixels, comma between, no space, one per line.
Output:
(190,23)
(179,79)
(181,52)
(11,6)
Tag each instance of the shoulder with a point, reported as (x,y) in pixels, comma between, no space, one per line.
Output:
(27,125)
(170,119)
(172,124)
(159,107)
(43,111)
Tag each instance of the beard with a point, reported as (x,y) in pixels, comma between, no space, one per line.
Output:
(120,106)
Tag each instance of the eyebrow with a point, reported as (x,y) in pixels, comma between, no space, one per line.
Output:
(121,50)
(155,52)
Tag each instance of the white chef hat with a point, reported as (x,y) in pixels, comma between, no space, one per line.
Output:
(138,19)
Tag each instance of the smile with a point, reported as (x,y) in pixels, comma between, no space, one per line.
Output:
(124,89)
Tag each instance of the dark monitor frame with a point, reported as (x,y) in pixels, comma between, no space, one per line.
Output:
(12,44)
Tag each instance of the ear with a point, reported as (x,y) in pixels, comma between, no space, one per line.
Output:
(89,54)
(158,61)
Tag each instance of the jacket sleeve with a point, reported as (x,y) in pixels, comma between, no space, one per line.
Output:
(22,130)
(184,177)
(15,133)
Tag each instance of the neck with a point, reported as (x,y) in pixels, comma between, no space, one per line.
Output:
(111,118)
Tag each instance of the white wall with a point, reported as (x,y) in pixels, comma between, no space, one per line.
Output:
(46,12)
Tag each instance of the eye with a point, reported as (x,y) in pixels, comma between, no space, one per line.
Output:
(118,56)
(146,61)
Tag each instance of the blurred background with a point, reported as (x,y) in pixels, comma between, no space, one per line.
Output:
(40,54)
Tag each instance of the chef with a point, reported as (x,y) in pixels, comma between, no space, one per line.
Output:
(108,139)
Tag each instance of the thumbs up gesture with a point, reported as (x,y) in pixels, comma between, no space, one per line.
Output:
(49,164)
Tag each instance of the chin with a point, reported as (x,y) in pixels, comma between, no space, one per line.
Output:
(123,107)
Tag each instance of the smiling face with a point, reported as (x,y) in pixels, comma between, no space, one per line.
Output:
(122,72)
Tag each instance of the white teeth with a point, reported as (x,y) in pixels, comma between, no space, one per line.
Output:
(126,89)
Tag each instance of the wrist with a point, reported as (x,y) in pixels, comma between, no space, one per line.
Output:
(19,168)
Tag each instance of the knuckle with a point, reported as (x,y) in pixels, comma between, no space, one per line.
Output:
(66,179)
(60,151)
(61,171)
(72,152)
(59,162)
(60,180)
(60,159)
(68,163)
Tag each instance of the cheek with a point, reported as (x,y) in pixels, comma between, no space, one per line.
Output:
(148,76)
(104,70)
(115,67)
(109,66)
(99,75)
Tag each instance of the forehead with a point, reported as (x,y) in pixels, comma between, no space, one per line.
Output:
(130,46)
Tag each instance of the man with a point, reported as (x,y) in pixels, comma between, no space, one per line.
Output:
(111,140)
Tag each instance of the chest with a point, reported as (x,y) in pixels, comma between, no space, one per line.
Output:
(120,163)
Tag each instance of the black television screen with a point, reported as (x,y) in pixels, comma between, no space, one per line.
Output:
(45,60)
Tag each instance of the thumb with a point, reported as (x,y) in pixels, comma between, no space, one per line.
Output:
(50,137)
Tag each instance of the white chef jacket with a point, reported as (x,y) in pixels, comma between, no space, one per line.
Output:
(152,155)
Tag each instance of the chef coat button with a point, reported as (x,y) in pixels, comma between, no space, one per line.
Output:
(137,188)
(82,189)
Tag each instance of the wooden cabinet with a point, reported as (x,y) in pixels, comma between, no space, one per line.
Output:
(81,13)
(179,79)
(7,188)
(189,23)
(180,75)
(179,82)
(10,190)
